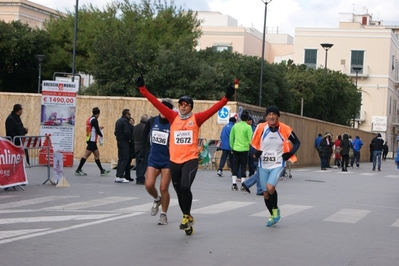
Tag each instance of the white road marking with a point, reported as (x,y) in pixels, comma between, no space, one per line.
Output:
(69,228)
(90,203)
(396,223)
(145,207)
(392,176)
(55,218)
(368,174)
(347,216)
(222,207)
(14,233)
(286,210)
(21,203)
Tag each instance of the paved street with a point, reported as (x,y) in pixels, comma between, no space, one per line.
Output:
(328,218)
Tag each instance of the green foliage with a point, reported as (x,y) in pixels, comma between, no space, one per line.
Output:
(133,41)
(331,97)
(18,45)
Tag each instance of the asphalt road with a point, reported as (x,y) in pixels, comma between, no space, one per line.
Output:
(328,218)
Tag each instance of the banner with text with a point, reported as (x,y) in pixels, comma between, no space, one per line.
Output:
(12,168)
(58,118)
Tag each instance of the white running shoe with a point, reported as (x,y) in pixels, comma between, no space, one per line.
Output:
(155,207)
(163,219)
(121,180)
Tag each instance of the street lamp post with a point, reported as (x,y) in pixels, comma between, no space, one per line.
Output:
(357,70)
(40,59)
(263,51)
(326,47)
(74,39)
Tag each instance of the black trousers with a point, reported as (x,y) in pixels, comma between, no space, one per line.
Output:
(240,159)
(123,157)
(183,176)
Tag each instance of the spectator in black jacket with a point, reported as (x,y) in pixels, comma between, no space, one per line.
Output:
(325,150)
(141,151)
(385,150)
(123,136)
(346,144)
(14,125)
(378,144)
(132,152)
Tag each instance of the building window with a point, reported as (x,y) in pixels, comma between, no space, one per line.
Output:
(310,58)
(357,60)
(390,105)
(221,48)
(397,70)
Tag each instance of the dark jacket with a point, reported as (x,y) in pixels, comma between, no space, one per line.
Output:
(345,145)
(123,129)
(138,136)
(385,148)
(325,149)
(14,126)
(132,151)
(378,143)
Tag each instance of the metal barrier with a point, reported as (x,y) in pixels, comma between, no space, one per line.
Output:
(6,137)
(34,146)
(214,154)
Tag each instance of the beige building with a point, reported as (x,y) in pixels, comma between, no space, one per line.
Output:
(222,32)
(25,11)
(369,48)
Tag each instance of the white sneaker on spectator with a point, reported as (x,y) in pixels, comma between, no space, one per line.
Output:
(121,180)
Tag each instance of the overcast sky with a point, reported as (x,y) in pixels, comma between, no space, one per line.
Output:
(283,15)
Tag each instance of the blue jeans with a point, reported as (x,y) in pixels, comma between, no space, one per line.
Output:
(249,182)
(356,158)
(377,158)
(324,162)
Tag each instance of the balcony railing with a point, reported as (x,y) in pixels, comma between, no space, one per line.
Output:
(348,69)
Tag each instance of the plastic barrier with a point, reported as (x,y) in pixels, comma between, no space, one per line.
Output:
(12,167)
(203,154)
(36,146)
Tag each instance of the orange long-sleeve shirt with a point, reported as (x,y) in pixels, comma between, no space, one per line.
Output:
(183,138)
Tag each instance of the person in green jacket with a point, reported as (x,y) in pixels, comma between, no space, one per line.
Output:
(240,141)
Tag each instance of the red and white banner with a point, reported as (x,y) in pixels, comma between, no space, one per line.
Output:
(12,166)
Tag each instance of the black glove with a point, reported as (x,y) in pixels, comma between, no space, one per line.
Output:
(287,155)
(258,154)
(230,91)
(140,81)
